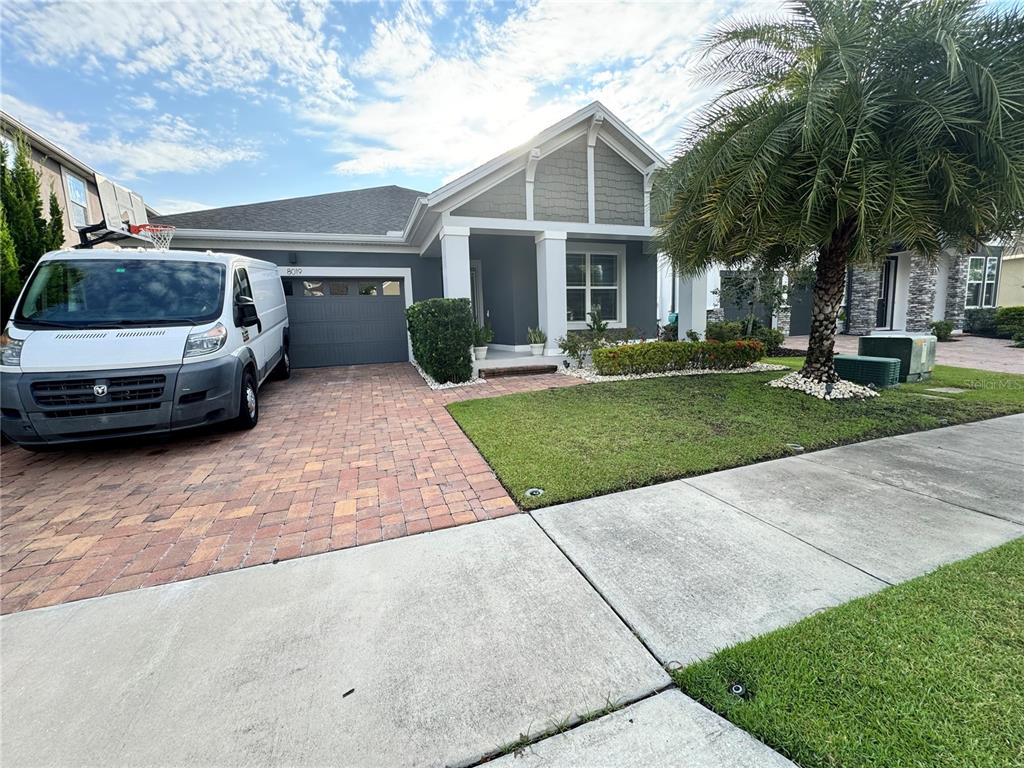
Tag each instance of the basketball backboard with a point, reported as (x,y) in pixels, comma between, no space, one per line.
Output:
(123,211)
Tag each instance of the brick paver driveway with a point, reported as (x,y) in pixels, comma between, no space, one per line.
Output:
(341,456)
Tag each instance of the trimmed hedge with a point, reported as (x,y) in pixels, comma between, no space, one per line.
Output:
(442,332)
(1010,321)
(663,356)
(980,322)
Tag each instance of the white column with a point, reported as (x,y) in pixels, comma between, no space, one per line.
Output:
(551,310)
(455,277)
(691,303)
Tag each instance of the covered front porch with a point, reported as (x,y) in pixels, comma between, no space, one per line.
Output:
(518,279)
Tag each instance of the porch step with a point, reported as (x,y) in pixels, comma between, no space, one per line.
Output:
(519,370)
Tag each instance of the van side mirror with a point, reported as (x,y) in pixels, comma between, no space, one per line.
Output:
(245,312)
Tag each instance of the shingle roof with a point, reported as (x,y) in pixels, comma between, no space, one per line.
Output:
(373,211)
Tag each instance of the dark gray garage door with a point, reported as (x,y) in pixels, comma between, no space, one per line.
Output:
(343,321)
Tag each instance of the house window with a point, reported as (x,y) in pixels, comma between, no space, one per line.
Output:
(982,272)
(594,281)
(78,204)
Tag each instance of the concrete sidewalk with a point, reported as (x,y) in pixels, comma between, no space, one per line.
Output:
(443,648)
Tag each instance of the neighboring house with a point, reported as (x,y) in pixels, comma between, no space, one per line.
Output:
(73,182)
(1010,292)
(536,237)
(906,293)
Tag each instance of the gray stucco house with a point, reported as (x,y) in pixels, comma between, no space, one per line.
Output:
(538,236)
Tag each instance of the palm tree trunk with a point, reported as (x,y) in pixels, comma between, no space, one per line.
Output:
(829,283)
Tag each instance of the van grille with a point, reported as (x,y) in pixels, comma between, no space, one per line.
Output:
(61,393)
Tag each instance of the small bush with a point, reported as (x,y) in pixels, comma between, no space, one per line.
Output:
(442,331)
(536,336)
(981,322)
(669,332)
(1009,321)
(663,356)
(943,330)
(724,331)
(1018,339)
(772,339)
(482,335)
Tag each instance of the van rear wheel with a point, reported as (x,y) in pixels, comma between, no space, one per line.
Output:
(249,404)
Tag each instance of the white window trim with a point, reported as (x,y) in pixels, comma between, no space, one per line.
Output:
(599,249)
(72,204)
(983,282)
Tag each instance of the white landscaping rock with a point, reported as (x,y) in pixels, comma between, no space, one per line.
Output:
(839,390)
(447,385)
(588,373)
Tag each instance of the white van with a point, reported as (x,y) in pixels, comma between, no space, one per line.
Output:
(109,343)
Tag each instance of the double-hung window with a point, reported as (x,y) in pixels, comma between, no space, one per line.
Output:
(78,203)
(982,272)
(594,281)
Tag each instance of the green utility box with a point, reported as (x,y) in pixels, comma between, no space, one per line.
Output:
(915,351)
(880,371)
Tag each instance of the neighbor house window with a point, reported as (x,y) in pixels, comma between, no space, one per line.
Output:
(78,204)
(982,272)
(593,281)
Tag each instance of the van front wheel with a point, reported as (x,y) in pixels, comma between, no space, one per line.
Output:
(249,404)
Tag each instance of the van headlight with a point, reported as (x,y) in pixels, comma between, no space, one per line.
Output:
(10,350)
(205,342)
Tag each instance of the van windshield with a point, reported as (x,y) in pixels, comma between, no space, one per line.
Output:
(115,293)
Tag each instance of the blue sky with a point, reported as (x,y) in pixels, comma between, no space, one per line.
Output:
(199,104)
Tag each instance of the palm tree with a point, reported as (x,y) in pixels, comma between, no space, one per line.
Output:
(846,128)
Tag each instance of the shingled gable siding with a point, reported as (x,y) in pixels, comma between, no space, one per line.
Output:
(560,184)
(618,188)
(505,200)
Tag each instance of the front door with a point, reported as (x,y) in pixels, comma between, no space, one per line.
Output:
(477,290)
(883,313)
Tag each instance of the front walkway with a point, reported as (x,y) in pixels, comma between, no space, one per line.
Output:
(964,351)
(444,648)
(341,456)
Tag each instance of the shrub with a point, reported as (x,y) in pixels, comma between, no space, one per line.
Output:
(724,331)
(536,336)
(1018,339)
(1009,321)
(981,322)
(442,331)
(669,332)
(772,339)
(943,329)
(663,356)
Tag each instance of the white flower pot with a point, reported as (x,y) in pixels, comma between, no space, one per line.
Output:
(480,352)
(536,350)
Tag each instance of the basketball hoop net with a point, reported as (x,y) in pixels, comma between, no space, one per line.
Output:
(159,234)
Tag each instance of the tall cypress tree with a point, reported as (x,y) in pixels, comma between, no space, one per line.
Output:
(31,233)
(10,279)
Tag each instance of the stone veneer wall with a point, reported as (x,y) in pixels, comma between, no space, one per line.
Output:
(863,309)
(956,289)
(920,293)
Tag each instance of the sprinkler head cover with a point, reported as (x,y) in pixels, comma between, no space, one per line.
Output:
(533,492)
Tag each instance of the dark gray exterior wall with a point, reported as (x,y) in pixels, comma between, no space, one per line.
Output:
(426,272)
(618,188)
(560,184)
(506,200)
(641,289)
(862,307)
(508,267)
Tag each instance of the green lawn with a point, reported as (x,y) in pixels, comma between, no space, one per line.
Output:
(588,440)
(927,673)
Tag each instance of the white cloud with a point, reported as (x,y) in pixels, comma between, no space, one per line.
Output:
(168,205)
(163,144)
(145,102)
(445,111)
(440,89)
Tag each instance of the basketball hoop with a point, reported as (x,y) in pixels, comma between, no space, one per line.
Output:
(159,234)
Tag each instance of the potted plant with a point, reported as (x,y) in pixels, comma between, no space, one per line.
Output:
(537,339)
(482,336)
